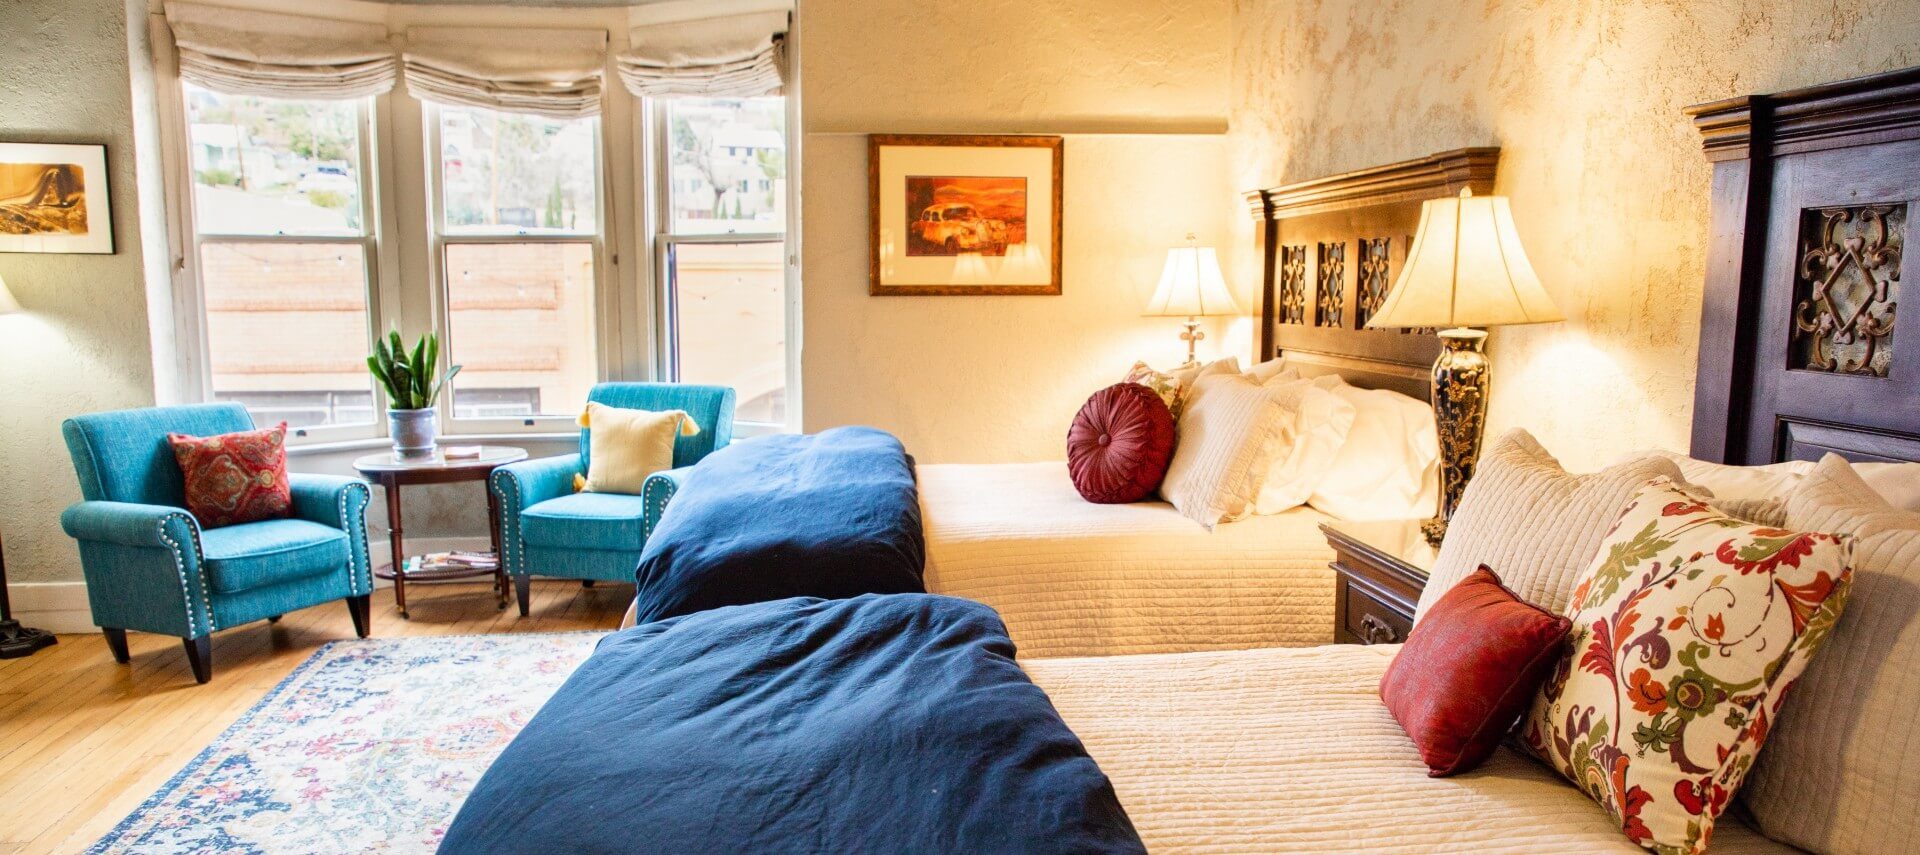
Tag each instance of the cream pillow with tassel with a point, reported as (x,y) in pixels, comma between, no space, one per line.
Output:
(626,446)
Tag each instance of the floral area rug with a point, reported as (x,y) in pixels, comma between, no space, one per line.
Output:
(368,746)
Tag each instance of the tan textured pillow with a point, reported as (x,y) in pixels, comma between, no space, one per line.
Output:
(1230,428)
(628,445)
(1841,773)
(1534,523)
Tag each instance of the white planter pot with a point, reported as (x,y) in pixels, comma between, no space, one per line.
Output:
(414,432)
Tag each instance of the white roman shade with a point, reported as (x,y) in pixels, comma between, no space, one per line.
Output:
(546,72)
(737,56)
(251,52)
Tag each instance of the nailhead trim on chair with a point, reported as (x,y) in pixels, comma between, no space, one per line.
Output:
(653,519)
(353,567)
(180,567)
(510,522)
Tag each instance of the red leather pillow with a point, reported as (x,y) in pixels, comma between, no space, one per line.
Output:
(1469,669)
(235,478)
(1119,445)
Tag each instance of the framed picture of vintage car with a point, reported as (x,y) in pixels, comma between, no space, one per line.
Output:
(53,198)
(964,215)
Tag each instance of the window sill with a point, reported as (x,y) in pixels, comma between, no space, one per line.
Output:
(320,449)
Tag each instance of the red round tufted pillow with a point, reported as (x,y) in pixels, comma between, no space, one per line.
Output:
(1119,445)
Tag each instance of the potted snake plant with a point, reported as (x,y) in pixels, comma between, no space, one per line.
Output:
(412,388)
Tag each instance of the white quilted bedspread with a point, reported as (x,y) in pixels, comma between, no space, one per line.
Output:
(1072,578)
(1291,750)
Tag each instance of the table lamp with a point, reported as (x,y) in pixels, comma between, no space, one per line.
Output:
(15,640)
(1465,269)
(1191,287)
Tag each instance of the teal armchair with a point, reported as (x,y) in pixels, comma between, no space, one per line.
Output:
(549,530)
(151,567)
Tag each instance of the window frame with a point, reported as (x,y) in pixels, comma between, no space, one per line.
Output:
(438,240)
(664,242)
(194,322)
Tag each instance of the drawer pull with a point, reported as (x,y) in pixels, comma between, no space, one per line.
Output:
(1377,630)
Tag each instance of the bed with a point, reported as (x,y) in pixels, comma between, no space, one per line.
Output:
(1072,578)
(1290,750)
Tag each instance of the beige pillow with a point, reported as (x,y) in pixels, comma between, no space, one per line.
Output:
(1534,523)
(1841,773)
(626,446)
(1229,428)
(1176,387)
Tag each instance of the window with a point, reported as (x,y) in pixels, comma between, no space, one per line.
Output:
(722,248)
(280,210)
(518,239)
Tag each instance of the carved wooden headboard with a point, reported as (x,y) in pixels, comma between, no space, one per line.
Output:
(1330,250)
(1813,194)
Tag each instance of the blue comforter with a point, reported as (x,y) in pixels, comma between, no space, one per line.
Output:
(833,514)
(879,724)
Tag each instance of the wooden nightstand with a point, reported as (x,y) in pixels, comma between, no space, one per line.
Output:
(1382,568)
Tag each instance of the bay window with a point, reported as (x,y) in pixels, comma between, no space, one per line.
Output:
(423,174)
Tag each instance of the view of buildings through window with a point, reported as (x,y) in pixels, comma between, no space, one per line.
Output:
(286,254)
(724,251)
(283,253)
(519,201)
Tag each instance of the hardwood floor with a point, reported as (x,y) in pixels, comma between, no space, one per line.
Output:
(83,740)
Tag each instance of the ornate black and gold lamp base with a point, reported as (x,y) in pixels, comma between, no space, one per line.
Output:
(1460,380)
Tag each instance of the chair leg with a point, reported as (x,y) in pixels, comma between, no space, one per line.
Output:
(200,656)
(520,586)
(274,618)
(116,642)
(361,608)
(586,583)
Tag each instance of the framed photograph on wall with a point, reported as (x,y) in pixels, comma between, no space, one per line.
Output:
(53,198)
(963,215)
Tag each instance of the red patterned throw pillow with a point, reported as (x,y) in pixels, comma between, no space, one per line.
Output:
(1119,444)
(1469,669)
(235,478)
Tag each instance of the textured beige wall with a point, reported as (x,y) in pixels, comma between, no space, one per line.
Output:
(83,343)
(1139,89)
(1609,188)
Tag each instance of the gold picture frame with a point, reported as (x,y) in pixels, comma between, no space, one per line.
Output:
(963,215)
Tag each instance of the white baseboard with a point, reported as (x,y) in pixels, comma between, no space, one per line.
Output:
(63,607)
(52,606)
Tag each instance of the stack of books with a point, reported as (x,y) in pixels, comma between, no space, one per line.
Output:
(456,560)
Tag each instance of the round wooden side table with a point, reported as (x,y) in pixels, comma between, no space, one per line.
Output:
(392,472)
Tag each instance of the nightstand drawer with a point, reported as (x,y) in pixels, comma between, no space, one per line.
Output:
(1365,619)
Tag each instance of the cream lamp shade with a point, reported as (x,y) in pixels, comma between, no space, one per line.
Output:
(1466,269)
(1191,285)
(8,305)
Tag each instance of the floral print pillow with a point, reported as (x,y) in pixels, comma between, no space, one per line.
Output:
(1175,387)
(1688,629)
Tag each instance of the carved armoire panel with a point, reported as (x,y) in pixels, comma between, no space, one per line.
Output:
(1847,288)
(1330,279)
(1293,284)
(1376,277)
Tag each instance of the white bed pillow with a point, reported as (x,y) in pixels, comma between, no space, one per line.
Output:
(1759,493)
(1898,483)
(1389,466)
(1298,462)
(1230,426)
(1533,522)
(1269,369)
